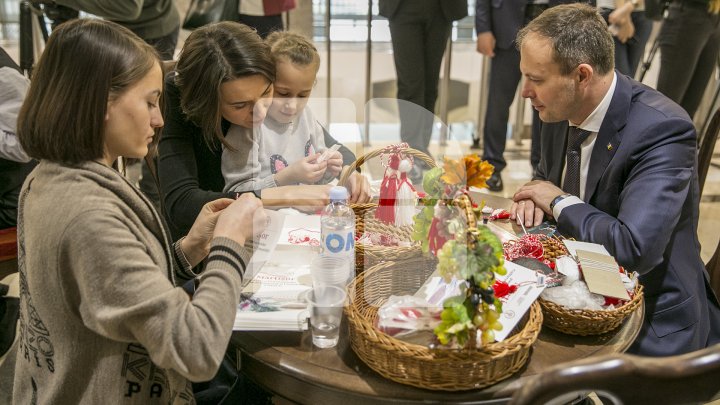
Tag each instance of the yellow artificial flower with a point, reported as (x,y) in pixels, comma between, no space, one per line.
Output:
(453,172)
(478,171)
(469,171)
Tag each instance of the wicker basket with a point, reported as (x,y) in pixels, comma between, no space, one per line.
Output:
(368,255)
(416,365)
(587,322)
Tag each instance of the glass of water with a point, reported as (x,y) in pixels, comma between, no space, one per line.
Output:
(325,303)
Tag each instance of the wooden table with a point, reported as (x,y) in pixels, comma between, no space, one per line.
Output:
(287,364)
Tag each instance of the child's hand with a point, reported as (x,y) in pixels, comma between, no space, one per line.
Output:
(334,164)
(306,171)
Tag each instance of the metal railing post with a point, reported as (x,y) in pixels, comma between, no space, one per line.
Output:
(519,126)
(328,43)
(445,93)
(368,76)
(27,50)
(483,102)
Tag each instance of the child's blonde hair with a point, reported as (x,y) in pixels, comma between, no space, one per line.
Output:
(296,48)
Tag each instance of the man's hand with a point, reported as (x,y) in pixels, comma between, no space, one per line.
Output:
(526,213)
(532,200)
(486,43)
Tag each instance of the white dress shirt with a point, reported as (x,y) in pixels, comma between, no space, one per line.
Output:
(592,124)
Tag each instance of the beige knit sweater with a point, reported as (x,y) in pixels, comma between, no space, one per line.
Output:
(101,319)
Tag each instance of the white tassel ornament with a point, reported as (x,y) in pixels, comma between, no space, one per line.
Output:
(406,198)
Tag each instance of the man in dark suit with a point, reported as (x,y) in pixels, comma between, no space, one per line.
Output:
(628,174)
(419,30)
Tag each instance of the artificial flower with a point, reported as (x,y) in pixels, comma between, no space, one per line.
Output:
(466,172)
(478,171)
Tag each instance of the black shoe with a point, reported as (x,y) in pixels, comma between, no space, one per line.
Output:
(495,182)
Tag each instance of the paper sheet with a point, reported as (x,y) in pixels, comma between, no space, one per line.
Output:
(573,245)
(515,305)
(602,274)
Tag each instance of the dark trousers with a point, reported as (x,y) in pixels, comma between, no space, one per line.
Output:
(504,79)
(689,42)
(419,34)
(264,24)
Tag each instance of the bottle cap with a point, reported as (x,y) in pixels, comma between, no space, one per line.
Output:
(338,193)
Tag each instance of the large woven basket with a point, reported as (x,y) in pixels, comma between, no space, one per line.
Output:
(368,255)
(416,365)
(587,322)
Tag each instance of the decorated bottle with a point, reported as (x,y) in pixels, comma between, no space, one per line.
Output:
(337,227)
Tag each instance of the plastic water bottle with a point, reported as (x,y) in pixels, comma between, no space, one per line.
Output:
(337,228)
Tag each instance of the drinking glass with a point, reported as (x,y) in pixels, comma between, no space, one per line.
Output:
(325,303)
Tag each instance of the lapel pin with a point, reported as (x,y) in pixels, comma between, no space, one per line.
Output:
(609,146)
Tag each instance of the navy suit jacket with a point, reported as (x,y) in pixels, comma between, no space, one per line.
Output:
(642,200)
(452,9)
(503,18)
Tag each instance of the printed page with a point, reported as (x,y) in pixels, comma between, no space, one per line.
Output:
(274,299)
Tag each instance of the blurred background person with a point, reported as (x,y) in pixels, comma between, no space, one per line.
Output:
(689,43)
(419,31)
(264,15)
(157,22)
(497,24)
(15,164)
(630,30)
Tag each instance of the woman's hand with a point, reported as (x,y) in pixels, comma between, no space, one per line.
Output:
(335,164)
(626,31)
(359,188)
(306,171)
(241,220)
(197,242)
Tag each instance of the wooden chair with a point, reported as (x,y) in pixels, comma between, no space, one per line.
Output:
(627,379)
(713,269)
(707,148)
(8,252)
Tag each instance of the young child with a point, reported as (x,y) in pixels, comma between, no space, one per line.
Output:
(287,146)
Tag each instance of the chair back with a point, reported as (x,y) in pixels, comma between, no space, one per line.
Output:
(713,269)
(8,252)
(627,379)
(707,148)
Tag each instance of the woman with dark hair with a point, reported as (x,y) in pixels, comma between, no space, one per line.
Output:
(224,76)
(101,317)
